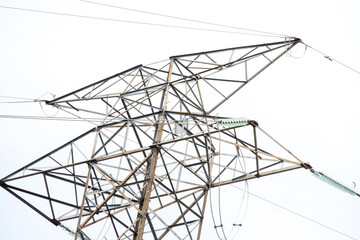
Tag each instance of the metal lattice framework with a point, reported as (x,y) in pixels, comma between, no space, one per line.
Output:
(148,168)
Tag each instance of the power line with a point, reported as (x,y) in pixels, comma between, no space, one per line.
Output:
(293,212)
(128,21)
(77,119)
(331,58)
(28,101)
(22,98)
(19,100)
(49,118)
(187,19)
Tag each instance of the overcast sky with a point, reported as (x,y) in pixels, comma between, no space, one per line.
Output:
(307,102)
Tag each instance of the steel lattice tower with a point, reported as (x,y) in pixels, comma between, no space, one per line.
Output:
(149,166)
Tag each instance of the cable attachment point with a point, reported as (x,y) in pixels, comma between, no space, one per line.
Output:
(237,224)
(49,110)
(307,166)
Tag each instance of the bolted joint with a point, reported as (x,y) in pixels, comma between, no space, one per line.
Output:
(93,161)
(306,166)
(143,214)
(55,222)
(155,147)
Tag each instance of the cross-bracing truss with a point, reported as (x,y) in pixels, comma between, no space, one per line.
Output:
(147,170)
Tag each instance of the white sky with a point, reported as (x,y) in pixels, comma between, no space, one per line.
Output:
(310,104)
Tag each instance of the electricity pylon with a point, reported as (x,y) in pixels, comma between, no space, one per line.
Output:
(147,169)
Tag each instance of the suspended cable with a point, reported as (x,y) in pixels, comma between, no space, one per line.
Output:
(219,194)
(237,223)
(187,19)
(49,118)
(295,213)
(102,229)
(77,119)
(331,58)
(210,177)
(213,218)
(42,102)
(128,21)
(289,53)
(20,100)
